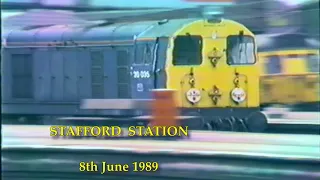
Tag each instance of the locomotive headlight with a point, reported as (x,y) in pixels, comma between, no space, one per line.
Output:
(193,95)
(238,95)
(214,35)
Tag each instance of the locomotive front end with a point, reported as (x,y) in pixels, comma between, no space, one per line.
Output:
(213,64)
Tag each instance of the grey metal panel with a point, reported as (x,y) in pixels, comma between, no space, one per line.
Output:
(115,103)
(21,71)
(21,36)
(42,76)
(6,32)
(130,30)
(62,109)
(50,34)
(97,72)
(123,61)
(57,75)
(166,29)
(110,73)
(22,50)
(83,71)
(70,75)
(8,71)
(117,32)
(6,78)
(86,35)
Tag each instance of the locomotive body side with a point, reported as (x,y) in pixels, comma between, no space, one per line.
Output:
(48,71)
(293,82)
(289,66)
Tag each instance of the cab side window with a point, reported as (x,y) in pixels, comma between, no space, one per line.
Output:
(273,65)
(187,50)
(313,62)
(143,53)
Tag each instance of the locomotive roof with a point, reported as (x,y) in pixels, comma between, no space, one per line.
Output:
(113,32)
(270,42)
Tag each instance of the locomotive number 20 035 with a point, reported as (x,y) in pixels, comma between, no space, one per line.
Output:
(141,74)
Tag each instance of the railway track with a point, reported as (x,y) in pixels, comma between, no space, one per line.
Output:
(250,157)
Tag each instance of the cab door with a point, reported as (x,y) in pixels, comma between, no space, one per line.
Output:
(148,70)
(160,51)
(142,77)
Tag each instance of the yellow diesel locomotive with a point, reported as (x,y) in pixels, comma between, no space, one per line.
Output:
(290,71)
(212,63)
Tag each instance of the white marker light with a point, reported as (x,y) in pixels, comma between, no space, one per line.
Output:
(238,95)
(214,36)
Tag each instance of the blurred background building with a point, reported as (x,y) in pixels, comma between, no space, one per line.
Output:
(310,18)
(261,16)
(277,16)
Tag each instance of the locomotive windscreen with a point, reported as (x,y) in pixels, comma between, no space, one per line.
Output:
(187,50)
(240,50)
